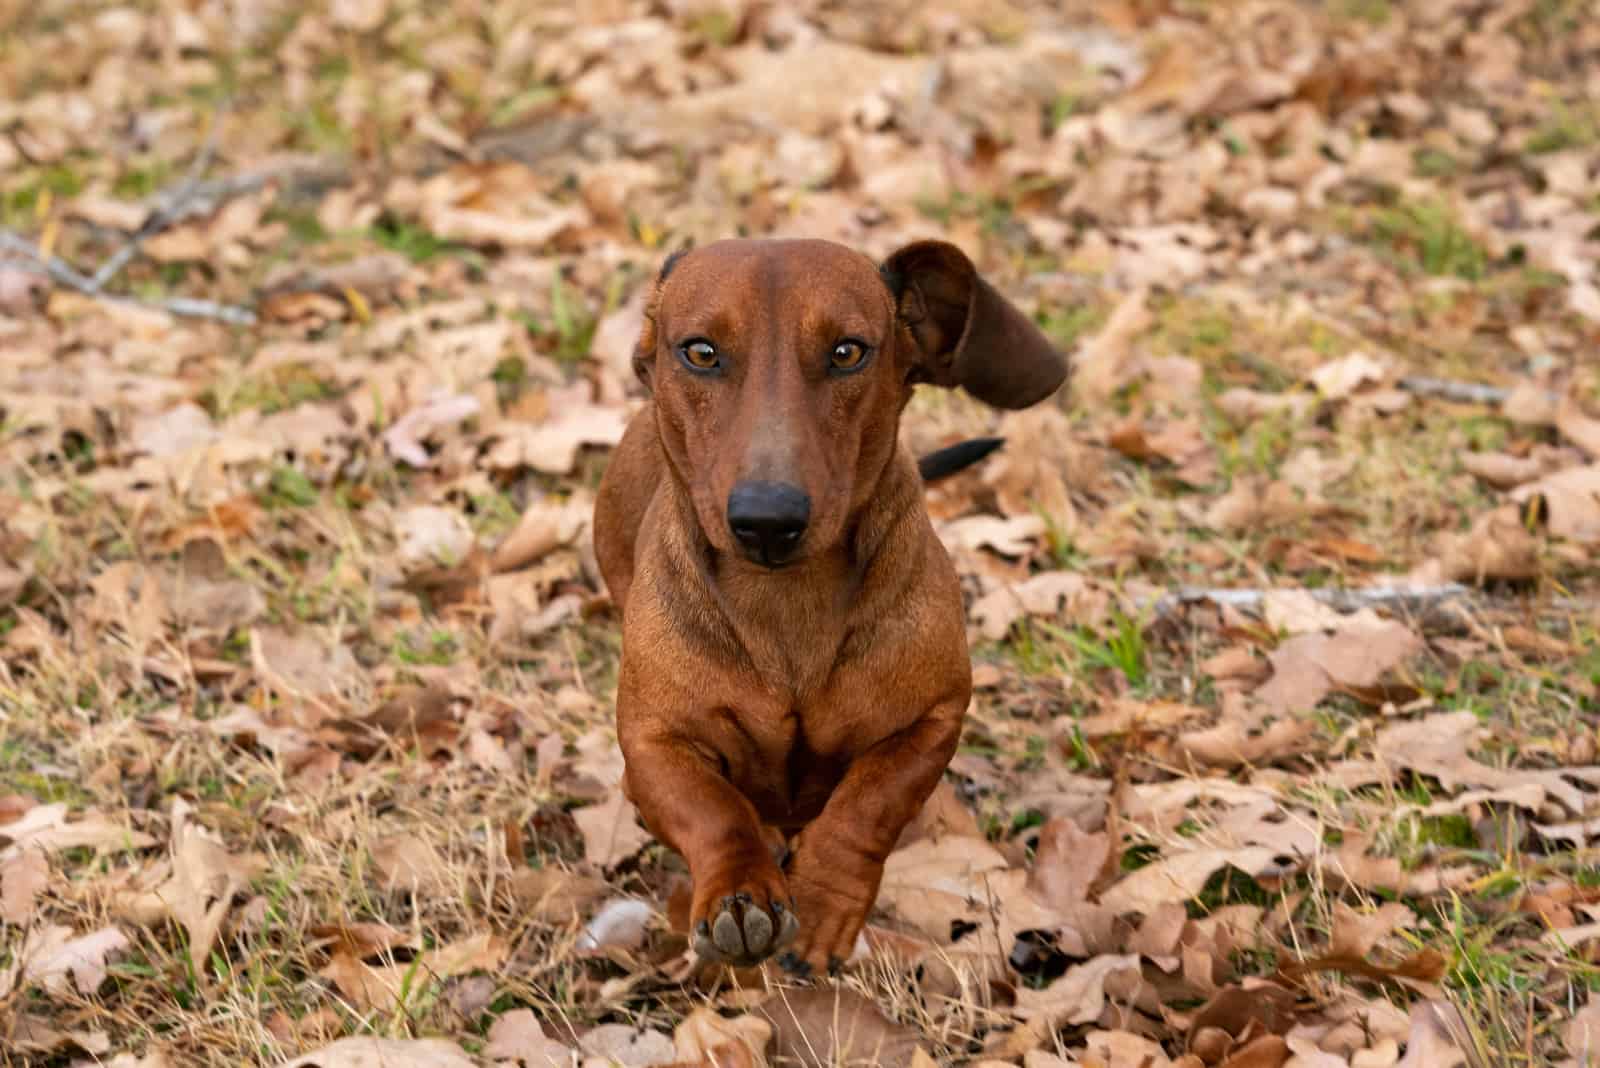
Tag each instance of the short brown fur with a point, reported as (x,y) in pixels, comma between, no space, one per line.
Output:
(823,698)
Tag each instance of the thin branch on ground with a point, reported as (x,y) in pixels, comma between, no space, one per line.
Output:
(1413,599)
(64,274)
(1461,392)
(169,209)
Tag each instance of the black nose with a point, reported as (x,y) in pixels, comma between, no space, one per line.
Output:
(768,519)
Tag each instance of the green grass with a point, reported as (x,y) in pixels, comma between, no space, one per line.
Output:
(1428,235)
(417,243)
(1120,648)
(288,487)
(1565,127)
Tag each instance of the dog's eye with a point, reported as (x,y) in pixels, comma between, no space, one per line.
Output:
(700,355)
(847,355)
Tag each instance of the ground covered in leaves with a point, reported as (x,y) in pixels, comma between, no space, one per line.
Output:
(314,333)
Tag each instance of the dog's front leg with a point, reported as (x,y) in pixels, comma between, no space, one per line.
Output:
(838,859)
(742,911)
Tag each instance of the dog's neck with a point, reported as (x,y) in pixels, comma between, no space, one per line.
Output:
(793,624)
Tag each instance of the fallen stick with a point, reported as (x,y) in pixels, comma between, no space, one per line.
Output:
(64,274)
(1462,392)
(169,208)
(1411,599)
(1433,606)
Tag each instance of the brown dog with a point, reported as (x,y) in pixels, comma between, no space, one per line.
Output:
(794,654)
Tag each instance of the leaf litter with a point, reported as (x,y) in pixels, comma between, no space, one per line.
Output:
(317,332)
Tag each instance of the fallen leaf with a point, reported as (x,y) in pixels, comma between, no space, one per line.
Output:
(302,666)
(200,890)
(1497,547)
(1047,595)
(408,862)
(552,446)
(1582,1033)
(1571,501)
(544,527)
(51,957)
(1502,470)
(1431,1043)
(23,877)
(432,537)
(1578,427)
(1306,668)
(406,438)
(821,1027)
(1008,537)
(715,1041)
(1076,997)
(1340,378)
(516,1036)
(627,1046)
(1103,363)
(1426,966)
(385,986)
(45,827)
(1182,877)
(364,1052)
(611,830)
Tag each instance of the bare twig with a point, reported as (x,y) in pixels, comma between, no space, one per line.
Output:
(1411,599)
(1445,606)
(64,274)
(169,209)
(1462,392)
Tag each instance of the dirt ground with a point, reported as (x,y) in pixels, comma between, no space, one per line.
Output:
(315,324)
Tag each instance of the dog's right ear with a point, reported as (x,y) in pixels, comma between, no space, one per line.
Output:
(644,353)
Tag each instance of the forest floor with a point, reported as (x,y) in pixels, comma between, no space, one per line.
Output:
(315,328)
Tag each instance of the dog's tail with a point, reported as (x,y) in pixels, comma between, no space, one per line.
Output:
(942,463)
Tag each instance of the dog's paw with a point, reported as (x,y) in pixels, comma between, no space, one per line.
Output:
(834,893)
(746,924)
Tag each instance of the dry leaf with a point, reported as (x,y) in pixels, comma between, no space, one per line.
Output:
(1008,537)
(363,1052)
(516,1036)
(1104,362)
(1047,595)
(611,830)
(45,827)
(432,537)
(1571,502)
(552,446)
(200,890)
(23,877)
(406,437)
(52,958)
(822,1027)
(1076,997)
(1431,1043)
(544,527)
(407,862)
(628,1046)
(718,1042)
(1182,877)
(1497,547)
(1340,378)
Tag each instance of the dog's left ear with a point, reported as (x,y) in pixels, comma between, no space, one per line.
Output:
(966,334)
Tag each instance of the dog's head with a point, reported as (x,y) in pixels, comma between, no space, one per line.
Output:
(780,368)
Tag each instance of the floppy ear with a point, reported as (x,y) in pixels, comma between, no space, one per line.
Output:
(966,334)
(644,352)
